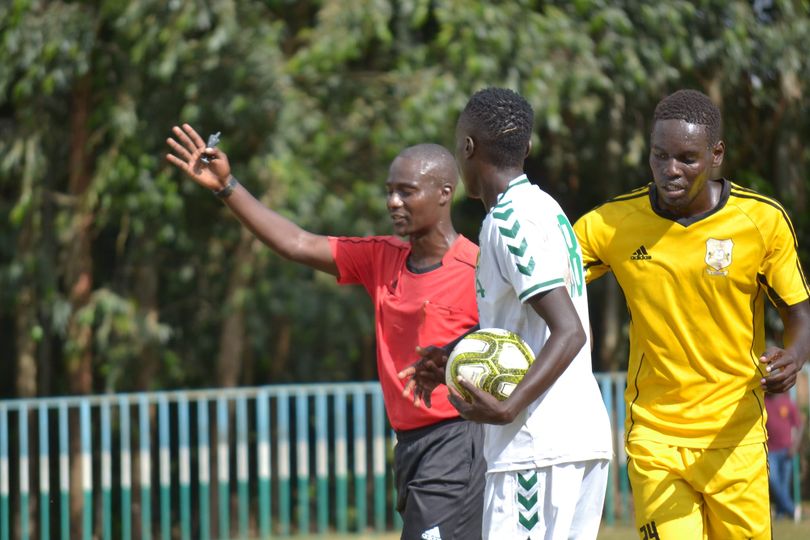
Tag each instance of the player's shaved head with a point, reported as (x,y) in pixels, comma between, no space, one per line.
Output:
(435,162)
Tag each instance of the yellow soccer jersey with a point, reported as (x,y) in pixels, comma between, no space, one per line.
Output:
(695,290)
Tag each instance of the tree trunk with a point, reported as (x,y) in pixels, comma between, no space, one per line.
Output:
(78,262)
(789,173)
(610,308)
(26,384)
(78,276)
(281,354)
(47,285)
(232,336)
(25,321)
(146,293)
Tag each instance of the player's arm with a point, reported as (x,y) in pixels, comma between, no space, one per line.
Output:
(214,173)
(587,229)
(783,365)
(566,339)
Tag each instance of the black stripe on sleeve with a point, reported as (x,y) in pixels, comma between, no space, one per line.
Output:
(736,192)
(774,297)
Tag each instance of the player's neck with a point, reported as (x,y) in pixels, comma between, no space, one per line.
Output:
(497,182)
(708,199)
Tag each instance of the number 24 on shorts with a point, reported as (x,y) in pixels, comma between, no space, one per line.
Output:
(649,531)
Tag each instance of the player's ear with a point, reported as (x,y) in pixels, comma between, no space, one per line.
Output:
(528,149)
(445,193)
(469,147)
(718,152)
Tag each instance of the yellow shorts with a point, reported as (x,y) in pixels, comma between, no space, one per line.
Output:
(699,494)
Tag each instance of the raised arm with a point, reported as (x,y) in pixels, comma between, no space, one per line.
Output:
(214,173)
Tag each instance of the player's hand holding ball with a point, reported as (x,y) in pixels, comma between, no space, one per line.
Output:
(492,359)
(478,406)
(206,165)
(483,370)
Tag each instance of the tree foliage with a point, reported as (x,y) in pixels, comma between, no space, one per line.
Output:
(117,271)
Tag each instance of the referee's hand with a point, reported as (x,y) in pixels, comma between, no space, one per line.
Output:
(424,375)
(208,167)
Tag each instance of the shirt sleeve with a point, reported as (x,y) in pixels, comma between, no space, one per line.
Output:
(589,230)
(782,271)
(354,258)
(532,253)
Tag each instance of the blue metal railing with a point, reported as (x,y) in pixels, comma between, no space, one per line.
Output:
(235,463)
(212,464)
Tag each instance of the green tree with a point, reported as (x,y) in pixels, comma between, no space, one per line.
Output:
(117,274)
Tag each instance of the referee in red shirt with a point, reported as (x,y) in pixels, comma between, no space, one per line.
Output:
(423,292)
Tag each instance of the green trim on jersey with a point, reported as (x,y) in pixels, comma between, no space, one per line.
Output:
(531,290)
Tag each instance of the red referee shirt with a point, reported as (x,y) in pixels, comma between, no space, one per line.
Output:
(410,309)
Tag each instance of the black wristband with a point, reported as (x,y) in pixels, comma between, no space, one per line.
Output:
(226,191)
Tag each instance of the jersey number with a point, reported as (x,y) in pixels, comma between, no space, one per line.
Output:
(573,255)
(649,531)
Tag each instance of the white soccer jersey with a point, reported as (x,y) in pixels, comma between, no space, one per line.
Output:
(527,247)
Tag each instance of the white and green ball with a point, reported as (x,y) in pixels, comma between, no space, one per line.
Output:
(492,359)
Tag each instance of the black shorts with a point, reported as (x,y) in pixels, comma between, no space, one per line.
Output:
(439,472)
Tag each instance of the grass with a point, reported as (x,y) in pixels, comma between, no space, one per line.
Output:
(782,530)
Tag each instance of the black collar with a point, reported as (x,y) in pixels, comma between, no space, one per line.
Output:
(423,270)
(686,221)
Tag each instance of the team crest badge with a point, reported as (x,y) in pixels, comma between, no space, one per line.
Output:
(718,256)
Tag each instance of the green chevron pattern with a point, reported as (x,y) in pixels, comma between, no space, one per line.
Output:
(528,523)
(527,482)
(510,232)
(527,498)
(503,216)
(519,250)
(527,269)
(527,502)
(509,227)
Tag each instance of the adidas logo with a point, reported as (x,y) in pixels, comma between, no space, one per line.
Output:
(432,534)
(640,255)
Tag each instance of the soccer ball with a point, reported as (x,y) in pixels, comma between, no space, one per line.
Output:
(492,359)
